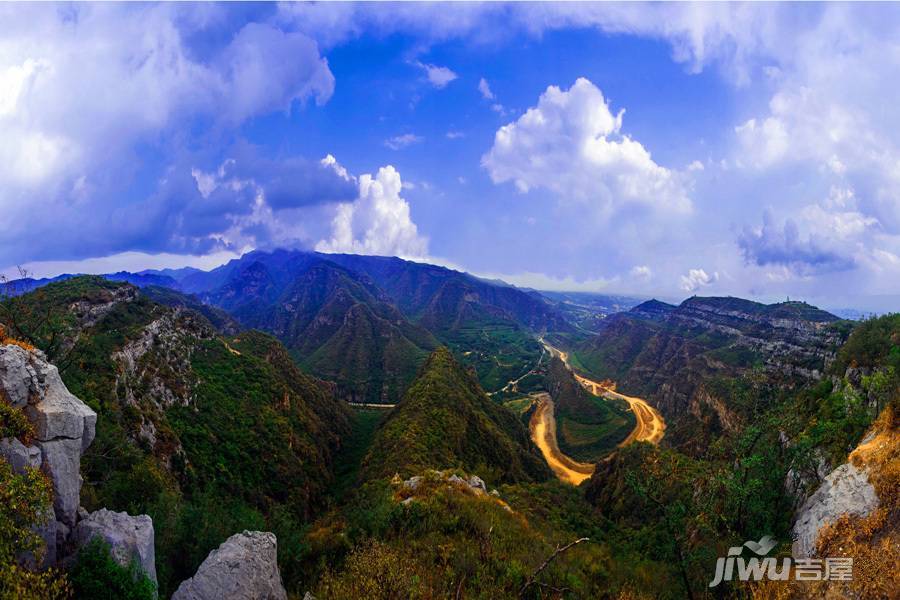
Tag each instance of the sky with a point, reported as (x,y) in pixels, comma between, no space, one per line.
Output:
(648,149)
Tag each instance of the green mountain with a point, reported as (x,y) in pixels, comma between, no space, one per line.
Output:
(336,323)
(445,420)
(694,361)
(369,322)
(208,435)
(757,475)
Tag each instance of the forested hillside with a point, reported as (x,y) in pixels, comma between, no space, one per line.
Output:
(206,434)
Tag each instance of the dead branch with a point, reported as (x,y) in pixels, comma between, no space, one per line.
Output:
(559,550)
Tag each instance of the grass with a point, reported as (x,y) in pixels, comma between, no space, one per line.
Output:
(519,405)
(499,352)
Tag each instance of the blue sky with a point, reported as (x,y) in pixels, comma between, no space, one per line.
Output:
(650,149)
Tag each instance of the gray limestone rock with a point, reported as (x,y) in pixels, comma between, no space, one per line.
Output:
(129,537)
(20,456)
(244,567)
(845,490)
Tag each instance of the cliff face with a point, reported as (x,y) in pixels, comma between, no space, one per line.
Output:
(696,361)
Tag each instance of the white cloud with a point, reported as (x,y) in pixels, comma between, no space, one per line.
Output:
(571,143)
(331,162)
(485,89)
(543,281)
(437,76)
(696,279)
(641,272)
(455,135)
(398,142)
(378,222)
(499,109)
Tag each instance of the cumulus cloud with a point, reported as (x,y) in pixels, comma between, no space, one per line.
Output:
(485,89)
(398,142)
(697,279)
(437,76)
(571,143)
(378,222)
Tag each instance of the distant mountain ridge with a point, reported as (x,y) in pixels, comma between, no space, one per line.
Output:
(686,359)
(369,322)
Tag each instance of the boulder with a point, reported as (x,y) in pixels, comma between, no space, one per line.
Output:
(413,483)
(845,491)
(129,538)
(244,567)
(477,483)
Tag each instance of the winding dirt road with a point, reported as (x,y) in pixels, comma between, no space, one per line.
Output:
(543,433)
(649,426)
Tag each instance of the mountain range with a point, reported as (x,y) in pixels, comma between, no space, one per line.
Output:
(219,402)
(366,322)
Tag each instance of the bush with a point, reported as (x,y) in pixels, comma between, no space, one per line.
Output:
(24,502)
(96,575)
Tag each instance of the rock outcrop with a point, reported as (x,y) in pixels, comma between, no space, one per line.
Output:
(244,567)
(845,491)
(129,538)
(64,426)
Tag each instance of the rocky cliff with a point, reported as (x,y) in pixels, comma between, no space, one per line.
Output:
(63,428)
(699,361)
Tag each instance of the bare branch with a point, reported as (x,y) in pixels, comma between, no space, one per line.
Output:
(559,550)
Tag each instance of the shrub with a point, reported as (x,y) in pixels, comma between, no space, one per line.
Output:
(96,575)
(24,500)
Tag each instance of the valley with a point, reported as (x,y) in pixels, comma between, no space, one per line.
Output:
(650,426)
(406,423)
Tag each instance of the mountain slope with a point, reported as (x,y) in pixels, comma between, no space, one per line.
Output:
(414,287)
(399,306)
(208,435)
(489,325)
(446,421)
(335,323)
(816,467)
(588,427)
(694,361)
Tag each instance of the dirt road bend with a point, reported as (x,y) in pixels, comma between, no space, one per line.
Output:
(543,433)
